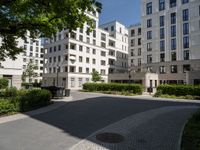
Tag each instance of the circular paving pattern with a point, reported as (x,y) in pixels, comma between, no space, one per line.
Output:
(110,137)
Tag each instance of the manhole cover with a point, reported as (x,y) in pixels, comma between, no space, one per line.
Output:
(109,137)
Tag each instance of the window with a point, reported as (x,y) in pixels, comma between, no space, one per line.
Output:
(87,50)
(87,60)
(103,63)
(88,40)
(161,5)
(172,3)
(31,48)
(186,42)
(103,37)
(139,61)
(94,33)
(94,61)
(185,15)
(59,47)
(149,23)
(132,33)
(54,59)
(87,70)
(149,46)
(139,31)
(80,48)
(186,68)
(162,21)
(59,58)
(73,46)
(185,1)
(80,38)
(72,69)
(185,28)
(173,31)
(173,18)
(173,56)
(80,69)
(162,45)
(55,48)
(132,52)
(80,59)
(80,82)
(103,53)
(162,57)
(162,70)
(139,41)
(103,72)
(132,42)
(94,51)
(139,52)
(72,82)
(149,58)
(103,44)
(112,28)
(149,8)
(173,44)
(186,55)
(174,69)
(149,35)
(162,33)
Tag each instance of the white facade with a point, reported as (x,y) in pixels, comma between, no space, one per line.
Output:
(71,57)
(13,69)
(170,38)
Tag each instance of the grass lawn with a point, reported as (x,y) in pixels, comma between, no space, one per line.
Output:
(191,134)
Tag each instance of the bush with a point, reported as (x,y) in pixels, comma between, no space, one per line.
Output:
(34,99)
(3,83)
(133,88)
(179,90)
(8,106)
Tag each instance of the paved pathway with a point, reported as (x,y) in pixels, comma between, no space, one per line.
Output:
(144,123)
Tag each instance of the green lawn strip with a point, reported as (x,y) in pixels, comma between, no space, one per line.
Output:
(124,93)
(191,134)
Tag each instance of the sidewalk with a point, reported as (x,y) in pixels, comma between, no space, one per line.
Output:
(56,104)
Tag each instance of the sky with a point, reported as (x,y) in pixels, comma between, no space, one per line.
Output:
(125,11)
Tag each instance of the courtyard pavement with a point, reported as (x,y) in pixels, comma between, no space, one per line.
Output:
(146,124)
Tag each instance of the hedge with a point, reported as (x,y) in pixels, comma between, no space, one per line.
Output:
(24,100)
(3,83)
(179,90)
(119,87)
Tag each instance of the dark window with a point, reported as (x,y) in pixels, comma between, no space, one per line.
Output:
(149,8)
(162,33)
(149,23)
(186,42)
(162,57)
(186,68)
(173,18)
(185,1)
(162,70)
(161,5)
(132,33)
(139,31)
(162,45)
(162,21)
(173,31)
(186,55)
(185,28)
(149,46)
(174,69)
(185,15)
(149,35)
(173,56)
(149,58)
(173,44)
(172,3)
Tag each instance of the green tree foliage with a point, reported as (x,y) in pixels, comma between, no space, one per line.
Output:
(30,71)
(3,83)
(96,76)
(42,18)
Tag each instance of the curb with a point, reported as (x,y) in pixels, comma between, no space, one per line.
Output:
(55,105)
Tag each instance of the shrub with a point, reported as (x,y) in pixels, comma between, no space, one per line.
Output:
(10,92)
(3,83)
(34,99)
(8,106)
(133,88)
(179,90)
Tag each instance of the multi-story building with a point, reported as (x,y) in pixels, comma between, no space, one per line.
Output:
(71,57)
(171,38)
(13,69)
(135,45)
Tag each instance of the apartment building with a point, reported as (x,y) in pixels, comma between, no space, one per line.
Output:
(13,69)
(135,45)
(71,57)
(171,39)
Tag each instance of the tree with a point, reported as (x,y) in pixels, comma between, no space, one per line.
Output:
(30,71)
(3,83)
(96,76)
(41,18)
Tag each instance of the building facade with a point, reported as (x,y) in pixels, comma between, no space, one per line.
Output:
(71,57)
(13,69)
(170,38)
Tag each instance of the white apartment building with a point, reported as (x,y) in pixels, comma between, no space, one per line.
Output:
(13,69)
(71,57)
(135,45)
(171,39)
